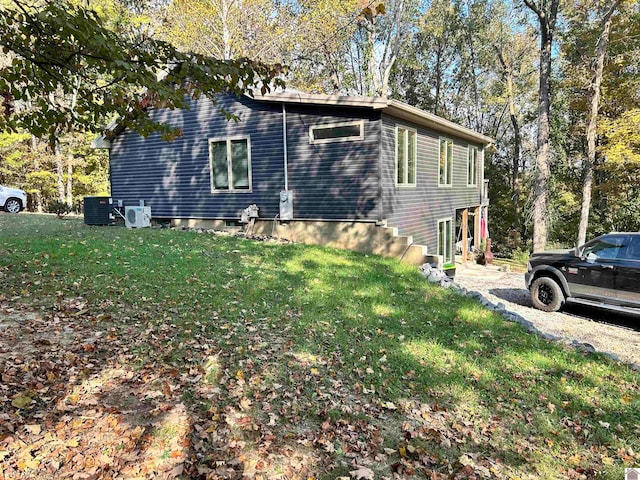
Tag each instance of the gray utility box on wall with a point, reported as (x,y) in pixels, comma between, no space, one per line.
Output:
(286,205)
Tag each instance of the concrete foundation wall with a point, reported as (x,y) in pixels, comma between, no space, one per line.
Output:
(358,236)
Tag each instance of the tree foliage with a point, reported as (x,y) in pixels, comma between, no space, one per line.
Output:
(27,163)
(60,48)
(223,29)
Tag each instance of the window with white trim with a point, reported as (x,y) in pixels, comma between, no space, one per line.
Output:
(445,175)
(230,163)
(445,246)
(406,153)
(472,166)
(337,132)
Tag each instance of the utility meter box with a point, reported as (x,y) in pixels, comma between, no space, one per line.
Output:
(286,205)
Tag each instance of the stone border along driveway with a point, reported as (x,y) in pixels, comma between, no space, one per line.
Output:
(504,292)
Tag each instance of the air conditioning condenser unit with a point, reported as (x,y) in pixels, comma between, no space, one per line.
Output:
(137,217)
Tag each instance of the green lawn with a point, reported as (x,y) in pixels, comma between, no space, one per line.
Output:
(152,352)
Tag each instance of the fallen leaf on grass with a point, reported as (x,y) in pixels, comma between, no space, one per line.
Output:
(362,472)
(389,405)
(33,429)
(176,471)
(466,459)
(575,460)
(21,401)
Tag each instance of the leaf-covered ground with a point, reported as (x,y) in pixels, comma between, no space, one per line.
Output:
(167,354)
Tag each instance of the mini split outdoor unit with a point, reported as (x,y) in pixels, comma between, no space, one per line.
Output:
(137,217)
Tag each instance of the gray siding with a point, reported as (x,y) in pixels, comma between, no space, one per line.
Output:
(416,210)
(174,177)
(333,180)
(330,181)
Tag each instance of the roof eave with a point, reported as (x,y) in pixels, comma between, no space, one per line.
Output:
(415,115)
(375,103)
(392,107)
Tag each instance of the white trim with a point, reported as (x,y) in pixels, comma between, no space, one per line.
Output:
(446,139)
(352,138)
(438,253)
(471,148)
(406,183)
(228,141)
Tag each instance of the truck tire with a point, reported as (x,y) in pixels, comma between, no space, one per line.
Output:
(546,294)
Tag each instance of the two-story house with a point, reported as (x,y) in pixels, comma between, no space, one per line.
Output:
(362,173)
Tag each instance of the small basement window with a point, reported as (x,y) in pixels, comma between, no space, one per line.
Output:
(230,163)
(337,132)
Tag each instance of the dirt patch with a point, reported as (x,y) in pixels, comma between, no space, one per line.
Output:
(67,407)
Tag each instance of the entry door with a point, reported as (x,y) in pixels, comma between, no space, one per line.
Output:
(628,273)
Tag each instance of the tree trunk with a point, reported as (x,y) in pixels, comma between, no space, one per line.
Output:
(436,104)
(333,75)
(543,157)
(392,48)
(36,168)
(507,72)
(226,34)
(515,176)
(357,72)
(57,155)
(477,121)
(373,85)
(70,179)
(601,51)
(547,20)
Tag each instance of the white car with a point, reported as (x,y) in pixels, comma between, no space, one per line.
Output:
(12,200)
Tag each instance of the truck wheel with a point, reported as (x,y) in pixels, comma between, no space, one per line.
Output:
(12,206)
(546,294)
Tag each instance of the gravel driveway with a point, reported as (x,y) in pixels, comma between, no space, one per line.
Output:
(611,333)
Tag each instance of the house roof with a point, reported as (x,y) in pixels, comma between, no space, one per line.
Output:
(394,108)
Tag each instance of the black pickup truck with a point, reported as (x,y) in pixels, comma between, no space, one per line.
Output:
(604,273)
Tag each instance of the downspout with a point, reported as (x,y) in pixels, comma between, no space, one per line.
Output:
(284,141)
(380,206)
(110,171)
(482,169)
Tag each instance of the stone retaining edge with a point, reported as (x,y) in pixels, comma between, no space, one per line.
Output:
(435,275)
